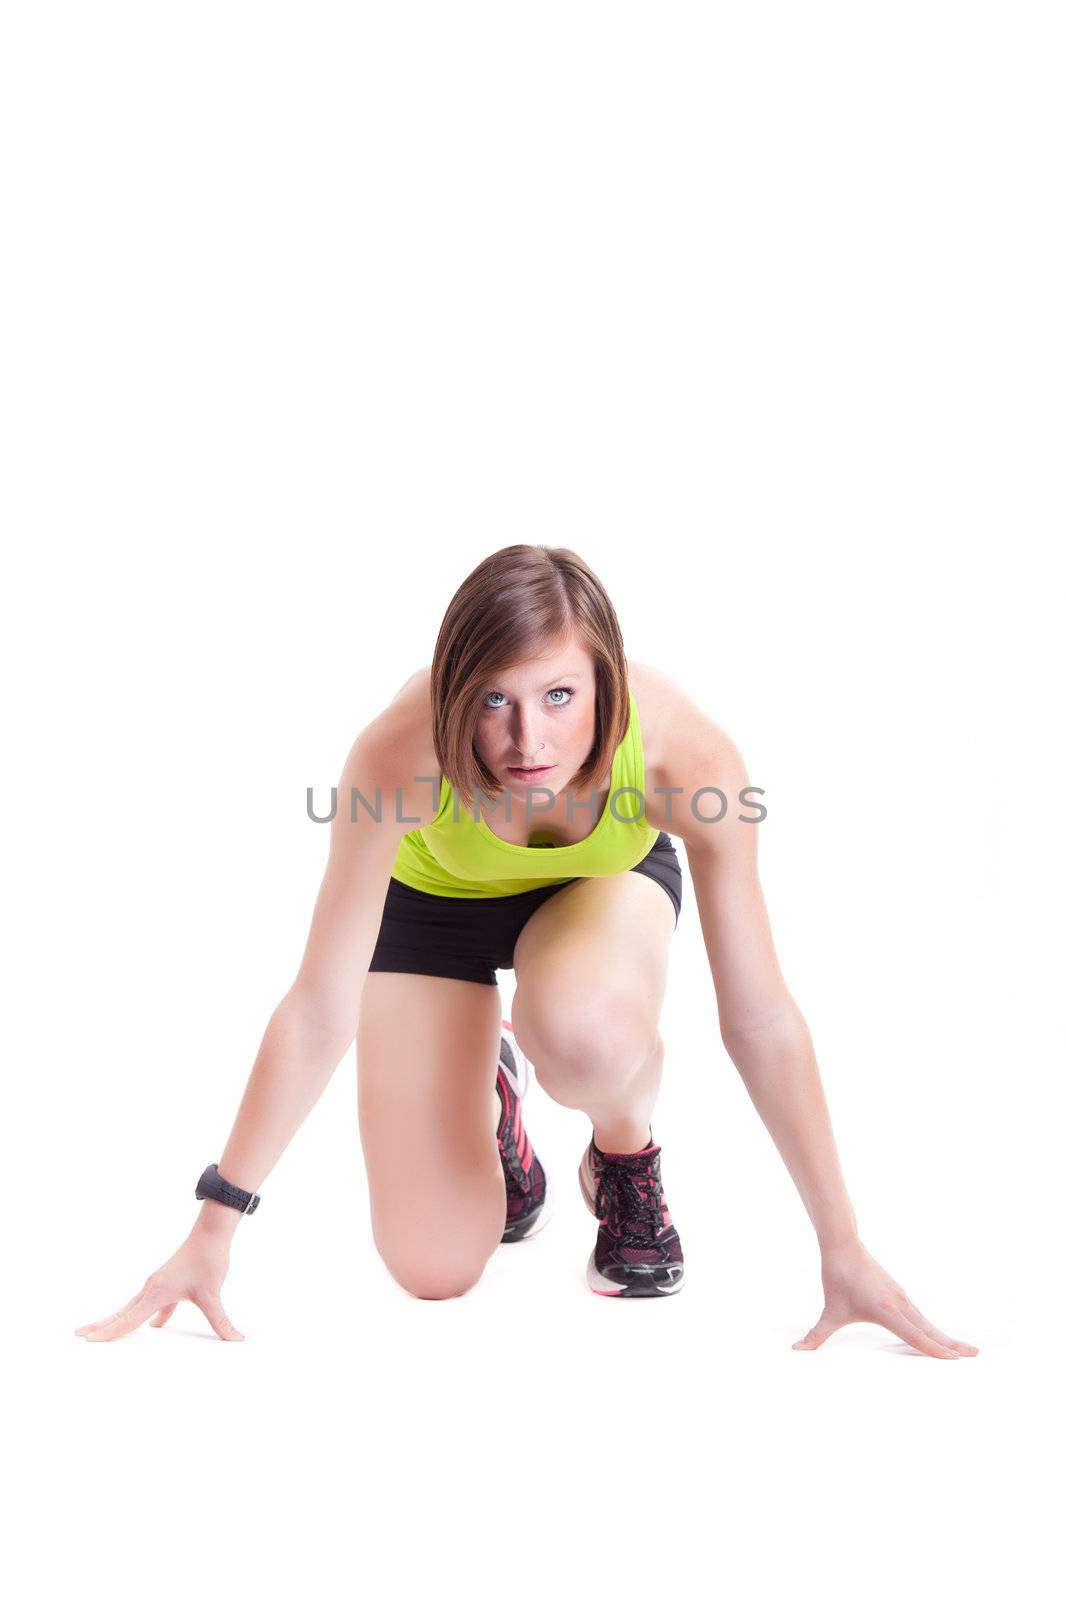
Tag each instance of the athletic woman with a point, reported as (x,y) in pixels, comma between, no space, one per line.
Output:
(514,806)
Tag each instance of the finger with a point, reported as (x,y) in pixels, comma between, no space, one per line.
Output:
(894,1319)
(211,1306)
(105,1322)
(163,1316)
(124,1322)
(911,1311)
(825,1325)
(91,1327)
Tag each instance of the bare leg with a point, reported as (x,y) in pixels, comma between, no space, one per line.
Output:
(591,965)
(427,1050)
(623,1123)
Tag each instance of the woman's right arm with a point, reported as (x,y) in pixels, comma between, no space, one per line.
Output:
(308,1033)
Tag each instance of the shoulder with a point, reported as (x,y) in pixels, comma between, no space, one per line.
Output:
(685,750)
(653,691)
(672,722)
(398,744)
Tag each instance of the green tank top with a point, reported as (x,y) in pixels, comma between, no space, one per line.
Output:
(458,856)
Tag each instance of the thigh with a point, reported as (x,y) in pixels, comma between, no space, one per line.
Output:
(426,1050)
(593,960)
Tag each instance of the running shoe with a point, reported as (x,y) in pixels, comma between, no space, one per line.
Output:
(525,1178)
(637,1248)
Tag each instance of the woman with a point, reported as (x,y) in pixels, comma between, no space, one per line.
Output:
(559,772)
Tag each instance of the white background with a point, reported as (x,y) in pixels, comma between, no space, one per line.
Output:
(306,310)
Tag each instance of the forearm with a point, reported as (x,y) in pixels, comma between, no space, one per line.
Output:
(296,1060)
(780,1073)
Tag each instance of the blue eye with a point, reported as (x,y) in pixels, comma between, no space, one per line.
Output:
(562,689)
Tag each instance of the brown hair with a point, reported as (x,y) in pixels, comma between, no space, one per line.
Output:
(513,607)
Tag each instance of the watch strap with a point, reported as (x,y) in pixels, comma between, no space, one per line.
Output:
(213,1186)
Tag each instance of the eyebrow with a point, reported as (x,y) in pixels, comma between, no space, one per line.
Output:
(567,672)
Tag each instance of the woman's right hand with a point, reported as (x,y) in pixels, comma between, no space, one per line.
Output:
(194,1272)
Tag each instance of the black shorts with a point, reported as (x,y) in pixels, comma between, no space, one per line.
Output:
(448,937)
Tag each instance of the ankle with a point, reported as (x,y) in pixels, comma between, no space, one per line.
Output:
(621,1138)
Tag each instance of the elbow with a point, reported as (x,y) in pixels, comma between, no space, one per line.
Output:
(321,1017)
(776,1029)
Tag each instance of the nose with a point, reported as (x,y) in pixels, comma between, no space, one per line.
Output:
(528,742)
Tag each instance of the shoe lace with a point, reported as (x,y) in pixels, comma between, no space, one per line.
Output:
(630,1201)
(516,1180)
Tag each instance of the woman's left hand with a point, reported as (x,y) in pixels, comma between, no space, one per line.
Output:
(858,1290)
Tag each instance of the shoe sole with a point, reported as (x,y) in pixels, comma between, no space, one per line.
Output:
(641,1285)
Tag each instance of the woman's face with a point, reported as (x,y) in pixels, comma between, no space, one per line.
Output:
(539,714)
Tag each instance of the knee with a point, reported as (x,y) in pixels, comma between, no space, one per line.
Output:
(429,1279)
(439,1258)
(436,1244)
(582,1051)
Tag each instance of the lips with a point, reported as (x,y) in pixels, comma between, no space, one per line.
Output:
(529,772)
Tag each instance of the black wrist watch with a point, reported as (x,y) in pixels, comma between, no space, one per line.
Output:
(213,1186)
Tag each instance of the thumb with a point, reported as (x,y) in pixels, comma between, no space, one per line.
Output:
(818,1334)
(211,1306)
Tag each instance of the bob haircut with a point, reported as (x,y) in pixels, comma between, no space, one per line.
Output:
(518,604)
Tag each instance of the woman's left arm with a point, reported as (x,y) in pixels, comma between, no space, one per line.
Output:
(767,1037)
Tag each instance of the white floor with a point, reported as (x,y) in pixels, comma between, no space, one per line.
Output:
(531,1435)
